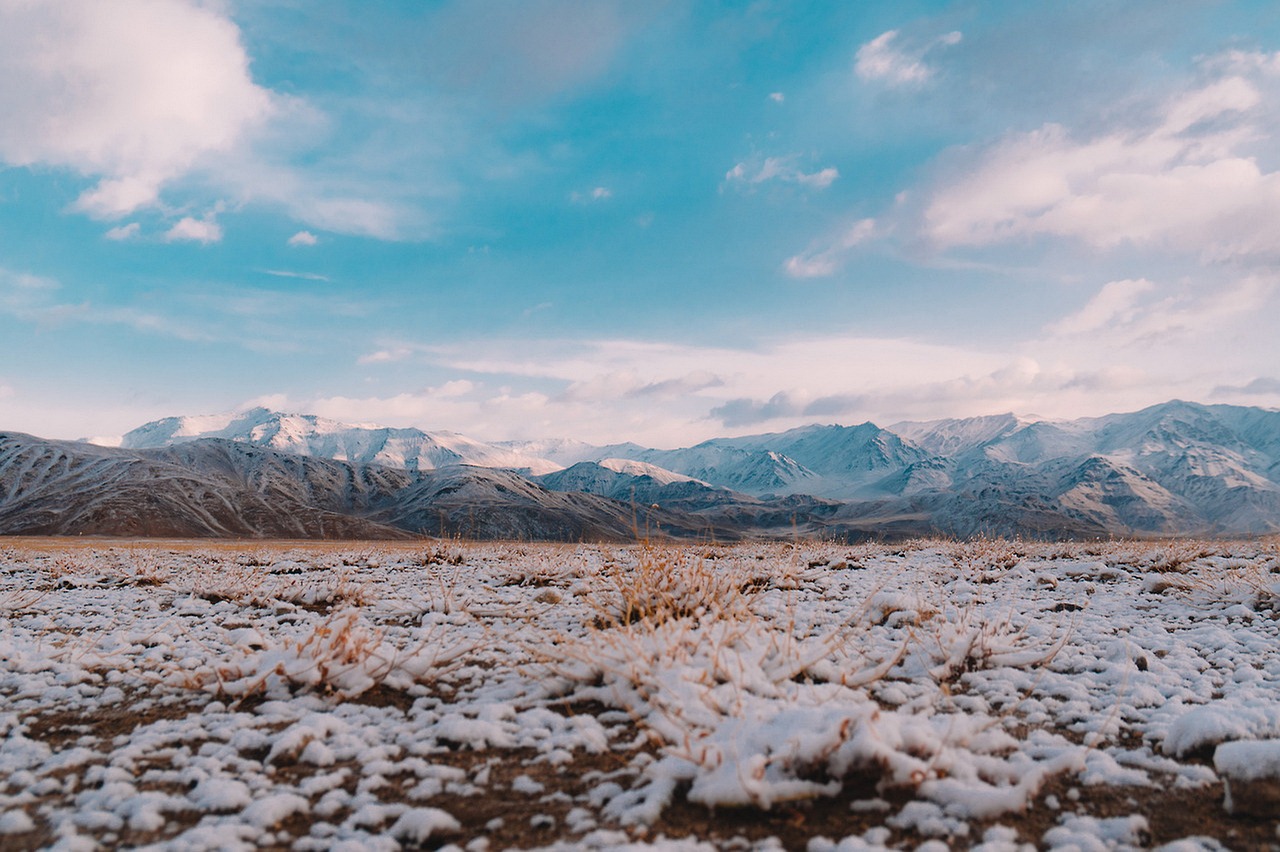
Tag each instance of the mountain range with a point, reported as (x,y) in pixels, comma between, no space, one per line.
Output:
(1173,469)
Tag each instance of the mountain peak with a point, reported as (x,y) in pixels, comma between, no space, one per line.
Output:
(311,435)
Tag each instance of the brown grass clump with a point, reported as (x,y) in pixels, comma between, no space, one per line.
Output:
(666,584)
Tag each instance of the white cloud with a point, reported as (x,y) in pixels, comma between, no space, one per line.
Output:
(386,356)
(1184,179)
(195,230)
(271,401)
(820,179)
(303,238)
(124,232)
(781,169)
(303,276)
(116,197)
(1140,314)
(380,219)
(777,97)
(134,92)
(1115,303)
(886,60)
(599,193)
(455,389)
(825,259)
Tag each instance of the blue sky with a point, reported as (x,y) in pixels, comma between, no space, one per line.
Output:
(655,221)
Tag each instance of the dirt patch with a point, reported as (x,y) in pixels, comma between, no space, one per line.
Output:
(1172,813)
(61,728)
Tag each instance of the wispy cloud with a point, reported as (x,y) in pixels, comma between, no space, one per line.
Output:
(124,232)
(886,59)
(36,300)
(784,169)
(824,258)
(305,276)
(386,356)
(599,193)
(1137,311)
(1115,304)
(303,238)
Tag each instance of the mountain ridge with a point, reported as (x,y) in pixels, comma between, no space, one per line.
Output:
(1174,468)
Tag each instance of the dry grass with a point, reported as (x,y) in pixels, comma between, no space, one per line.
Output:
(665,584)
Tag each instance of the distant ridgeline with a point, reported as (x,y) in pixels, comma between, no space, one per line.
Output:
(1172,469)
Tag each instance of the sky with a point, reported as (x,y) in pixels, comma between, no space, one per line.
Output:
(648,221)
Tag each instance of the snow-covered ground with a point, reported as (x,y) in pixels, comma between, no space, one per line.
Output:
(989,695)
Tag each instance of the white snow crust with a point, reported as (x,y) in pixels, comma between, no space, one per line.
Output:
(202,697)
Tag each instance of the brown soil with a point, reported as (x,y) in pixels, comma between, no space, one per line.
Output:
(511,819)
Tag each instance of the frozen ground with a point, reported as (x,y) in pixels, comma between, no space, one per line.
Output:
(987,695)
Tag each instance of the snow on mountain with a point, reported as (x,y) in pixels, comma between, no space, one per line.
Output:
(308,435)
(1121,499)
(1178,467)
(828,461)
(641,484)
(562,451)
(836,462)
(1258,428)
(840,451)
(659,475)
(956,436)
(200,490)
(752,471)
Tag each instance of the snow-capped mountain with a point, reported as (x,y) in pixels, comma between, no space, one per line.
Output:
(1175,468)
(1178,467)
(752,471)
(835,462)
(308,435)
(1168,469)
(953,437)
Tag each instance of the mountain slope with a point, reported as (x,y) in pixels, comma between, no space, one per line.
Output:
(63,488)
(218,488)
(492,504)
